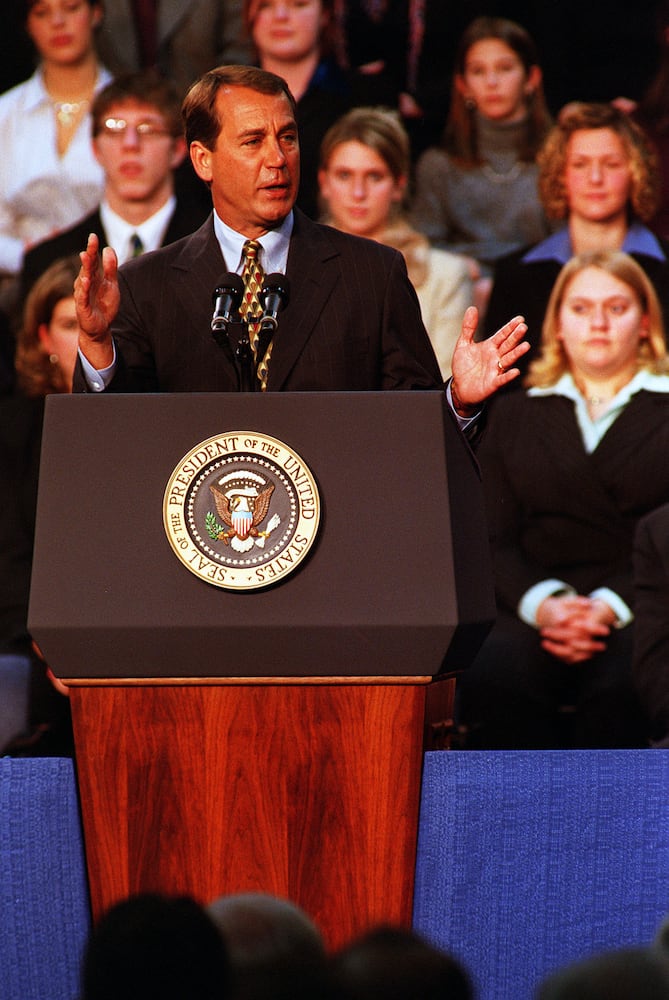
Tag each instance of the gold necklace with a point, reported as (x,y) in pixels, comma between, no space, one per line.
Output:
(599,400)
(67,112)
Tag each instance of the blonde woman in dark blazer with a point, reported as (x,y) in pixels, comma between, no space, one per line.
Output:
(569,467)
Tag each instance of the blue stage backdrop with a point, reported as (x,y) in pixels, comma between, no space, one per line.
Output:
(528,860)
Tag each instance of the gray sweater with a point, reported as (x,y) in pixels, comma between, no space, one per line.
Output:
(485,211)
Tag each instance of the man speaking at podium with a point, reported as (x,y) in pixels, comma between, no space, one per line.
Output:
(351,320)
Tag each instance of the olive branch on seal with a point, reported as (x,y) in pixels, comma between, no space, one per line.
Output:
(214,529)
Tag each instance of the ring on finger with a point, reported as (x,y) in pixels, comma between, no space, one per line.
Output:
(500,365)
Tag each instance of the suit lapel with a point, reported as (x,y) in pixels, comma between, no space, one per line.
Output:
(312,271)
(621,455)
(200,256)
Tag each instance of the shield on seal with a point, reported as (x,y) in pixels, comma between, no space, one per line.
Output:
(242,518)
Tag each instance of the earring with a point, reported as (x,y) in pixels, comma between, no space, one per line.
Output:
(54,359)
(470,103)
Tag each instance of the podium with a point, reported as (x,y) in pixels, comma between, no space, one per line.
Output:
(266,739)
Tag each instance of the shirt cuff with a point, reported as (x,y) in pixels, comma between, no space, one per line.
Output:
(97,381)
(529,603)
(464,422)
(624,614)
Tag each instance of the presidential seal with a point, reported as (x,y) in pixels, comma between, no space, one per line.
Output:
(241,510)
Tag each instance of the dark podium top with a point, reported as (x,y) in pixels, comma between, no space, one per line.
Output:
(397,583)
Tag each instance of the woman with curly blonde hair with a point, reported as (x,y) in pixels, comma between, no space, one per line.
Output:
(553,159)
(598,176)
(568,467)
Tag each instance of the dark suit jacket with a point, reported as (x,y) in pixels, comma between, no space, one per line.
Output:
(651,617)
(352,322)
(556,511)
(188,215)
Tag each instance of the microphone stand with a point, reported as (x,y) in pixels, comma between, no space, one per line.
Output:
(242,352)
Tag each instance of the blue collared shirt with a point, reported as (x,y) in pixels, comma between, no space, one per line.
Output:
(557,246)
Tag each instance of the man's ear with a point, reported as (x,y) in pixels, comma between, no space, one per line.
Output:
(201,160)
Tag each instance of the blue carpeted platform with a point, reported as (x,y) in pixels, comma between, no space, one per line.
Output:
(44,909)
(528,859)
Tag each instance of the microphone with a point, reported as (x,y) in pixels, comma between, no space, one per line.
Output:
(273,296)
(226,298)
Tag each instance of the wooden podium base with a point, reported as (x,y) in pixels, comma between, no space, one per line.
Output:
(306,789)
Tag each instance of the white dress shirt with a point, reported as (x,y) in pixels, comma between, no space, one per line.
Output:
(151,232)
(41,193)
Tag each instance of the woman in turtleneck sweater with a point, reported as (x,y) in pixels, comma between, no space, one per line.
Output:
(477,194)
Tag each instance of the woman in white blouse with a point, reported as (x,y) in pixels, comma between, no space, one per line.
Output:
(49,178)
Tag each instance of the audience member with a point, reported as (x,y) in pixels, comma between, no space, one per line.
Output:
(568,468)
(477,194)
(46,351)
(297,40)
(138,141)
(392,963)
(363,177)
(45,358)
(598,176)
(152,947)
(627,974)
(651,620)
(49,177)
(276,951)
(182,39)
(337,332)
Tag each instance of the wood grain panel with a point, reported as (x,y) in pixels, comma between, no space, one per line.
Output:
(308,791)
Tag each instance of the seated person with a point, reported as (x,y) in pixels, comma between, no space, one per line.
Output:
(138,141)
(49,177)
(397,964)
(45,358)
(363,177)
(154,946)
(598,175)
(568,468)
(276,951)
(476,193)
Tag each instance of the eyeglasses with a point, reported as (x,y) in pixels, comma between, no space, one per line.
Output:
(118,128)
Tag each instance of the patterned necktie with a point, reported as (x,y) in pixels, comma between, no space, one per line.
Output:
(253,277)
(136,245)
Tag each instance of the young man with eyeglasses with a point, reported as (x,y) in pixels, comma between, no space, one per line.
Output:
(138,140)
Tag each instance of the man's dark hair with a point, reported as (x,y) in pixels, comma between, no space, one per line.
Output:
(200,116)
(152,946)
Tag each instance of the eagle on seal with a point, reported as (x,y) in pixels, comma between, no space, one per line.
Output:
(242,513)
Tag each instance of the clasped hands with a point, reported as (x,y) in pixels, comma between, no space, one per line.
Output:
(573,628)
